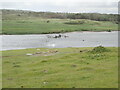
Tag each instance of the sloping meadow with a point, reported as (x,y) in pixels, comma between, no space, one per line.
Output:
(61,68)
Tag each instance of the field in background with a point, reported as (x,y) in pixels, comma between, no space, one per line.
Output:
(45,26)
(61,68)
(28,22)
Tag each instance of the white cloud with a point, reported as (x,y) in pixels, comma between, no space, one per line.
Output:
(59,1)
(100,6)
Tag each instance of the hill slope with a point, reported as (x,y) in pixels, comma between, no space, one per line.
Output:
(29,22)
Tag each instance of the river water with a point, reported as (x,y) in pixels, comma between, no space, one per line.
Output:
(74,39)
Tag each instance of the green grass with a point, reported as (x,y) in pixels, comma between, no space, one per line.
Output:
(68,68)
(40,26)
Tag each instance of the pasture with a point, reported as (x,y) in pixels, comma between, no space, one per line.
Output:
(60,68)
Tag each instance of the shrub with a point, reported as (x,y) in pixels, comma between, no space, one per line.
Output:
(75,22)
(48,21)
(109,30)
(99,49)
(81,22)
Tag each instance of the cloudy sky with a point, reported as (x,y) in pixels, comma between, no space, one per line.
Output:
(74,6)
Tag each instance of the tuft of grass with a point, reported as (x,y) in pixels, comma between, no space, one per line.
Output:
(16,66)
(109,30)
(99,49)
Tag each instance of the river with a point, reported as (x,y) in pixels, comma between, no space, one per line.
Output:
(74,39)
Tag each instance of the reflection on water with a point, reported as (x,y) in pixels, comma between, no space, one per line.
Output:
(74,39)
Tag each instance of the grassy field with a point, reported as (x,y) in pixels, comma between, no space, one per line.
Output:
(43,26)
(29,22)
(61,68)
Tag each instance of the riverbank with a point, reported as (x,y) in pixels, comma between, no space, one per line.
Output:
(42,26)
(61,68)
(64,32)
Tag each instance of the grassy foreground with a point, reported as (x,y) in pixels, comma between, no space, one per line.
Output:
(60,68)
(46,26)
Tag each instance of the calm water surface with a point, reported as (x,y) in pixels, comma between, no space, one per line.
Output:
(75,39)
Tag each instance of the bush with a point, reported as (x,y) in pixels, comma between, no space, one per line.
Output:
(75,22)
(48,21)
(99,49)
(109,30)
(81,22)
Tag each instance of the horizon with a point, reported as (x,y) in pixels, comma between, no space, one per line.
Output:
(55,12)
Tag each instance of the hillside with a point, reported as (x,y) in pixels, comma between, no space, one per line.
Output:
(29,22)
(15,14)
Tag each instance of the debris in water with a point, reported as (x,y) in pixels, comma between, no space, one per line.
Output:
(51,45)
